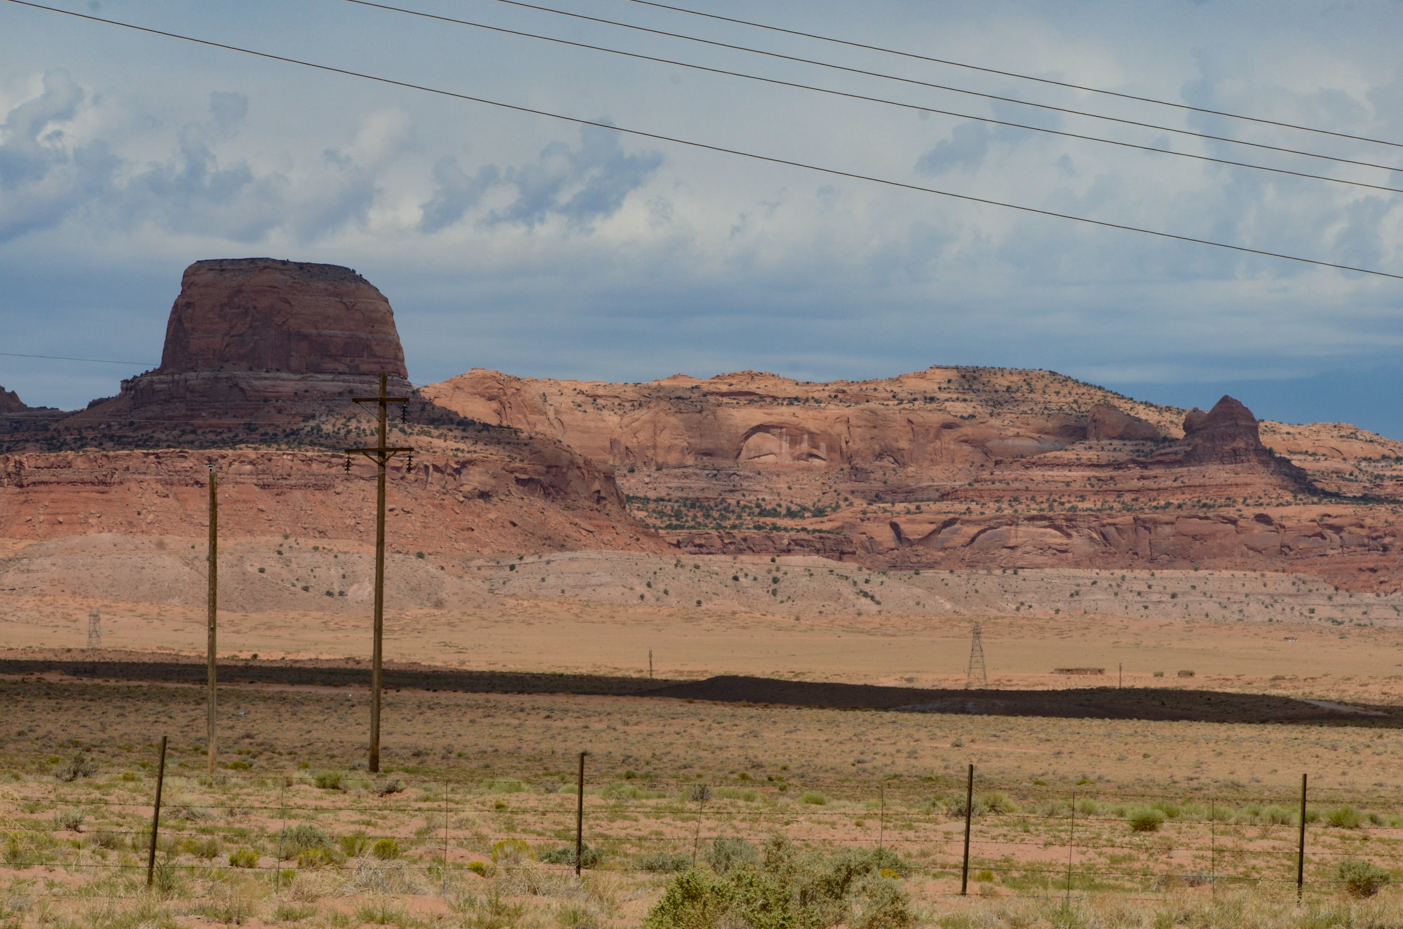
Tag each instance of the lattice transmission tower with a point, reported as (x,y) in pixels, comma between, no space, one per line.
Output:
(94,629)
(976,659)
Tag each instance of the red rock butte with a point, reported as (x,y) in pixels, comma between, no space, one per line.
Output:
(265,314)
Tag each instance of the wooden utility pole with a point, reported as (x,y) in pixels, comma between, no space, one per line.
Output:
(381,455)
(212,621)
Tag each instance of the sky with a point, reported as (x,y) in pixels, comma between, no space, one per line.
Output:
(547,248)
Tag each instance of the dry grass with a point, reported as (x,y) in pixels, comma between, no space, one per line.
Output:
(1225,792)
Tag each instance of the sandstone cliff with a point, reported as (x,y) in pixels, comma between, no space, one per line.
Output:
(958,467)
(262,314)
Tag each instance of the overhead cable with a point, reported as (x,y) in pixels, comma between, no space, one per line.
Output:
(704,146)
(100,361)
(1022,77)
(868,99)
(946,87)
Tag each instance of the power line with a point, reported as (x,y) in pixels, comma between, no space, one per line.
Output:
(767,159)
(869,99)
(1022,77)
(100,361)
(945,87)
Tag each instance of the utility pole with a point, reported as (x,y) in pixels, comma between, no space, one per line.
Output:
(212,619)
(381,455)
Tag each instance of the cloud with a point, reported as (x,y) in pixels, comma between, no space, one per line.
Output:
(33,142)
(228,109)
(966,148)
(455,192)
(580,186)
(44,176)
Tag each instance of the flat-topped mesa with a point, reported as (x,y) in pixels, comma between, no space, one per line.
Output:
(267,339)
(263,314)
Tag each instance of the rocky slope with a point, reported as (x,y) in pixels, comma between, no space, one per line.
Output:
(968,467)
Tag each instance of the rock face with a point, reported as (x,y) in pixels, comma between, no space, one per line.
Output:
(266,340)
(10,402)
(292,317)
(1228,435)
(1105,422)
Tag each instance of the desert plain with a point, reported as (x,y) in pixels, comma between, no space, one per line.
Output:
(798,635)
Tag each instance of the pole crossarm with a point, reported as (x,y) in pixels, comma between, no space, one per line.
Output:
(374,453)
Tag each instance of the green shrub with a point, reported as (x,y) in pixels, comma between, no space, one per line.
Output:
(729,851)
(315,858)
(1145,819)
(80,765)
(813,797)
(565,854)
(1169,808)
(292,913)
(1363,878)
(1345,817)
(353,845)
(886,906)
(68,820)
(385,849)
(330,780)
(1278,816)
(664,863)
(511,851)
(477,867)
(693,900)
(243,858)
(206,847)
(506,785)
(996,801)
(296,839)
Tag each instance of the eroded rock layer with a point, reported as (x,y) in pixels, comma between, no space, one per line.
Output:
(967,467)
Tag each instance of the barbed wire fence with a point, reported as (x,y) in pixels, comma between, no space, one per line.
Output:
(424,837)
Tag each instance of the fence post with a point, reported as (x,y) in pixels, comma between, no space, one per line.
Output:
(881,815)
(1071,844)
(1301,849)
(580,818)
(701,792)
(156,815)
(1212,848)
(443,891)
(969,814)
(282,804)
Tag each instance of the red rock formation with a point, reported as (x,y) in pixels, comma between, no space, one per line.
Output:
(1228,435)
(10,402)
(1105,422)
(263,314)
(267,340)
